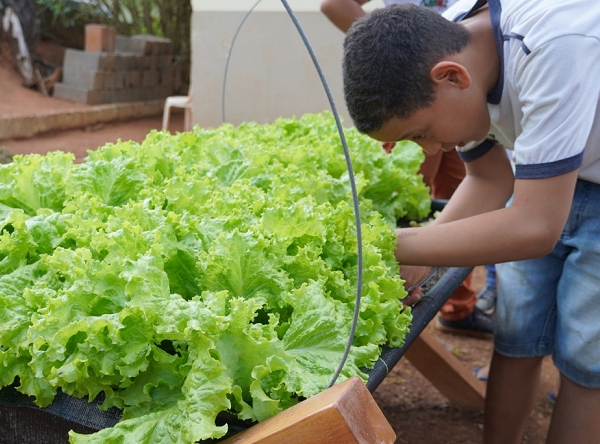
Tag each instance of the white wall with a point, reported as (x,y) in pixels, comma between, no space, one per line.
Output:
(270,72)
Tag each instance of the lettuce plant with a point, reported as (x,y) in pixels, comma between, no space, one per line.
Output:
(200,272)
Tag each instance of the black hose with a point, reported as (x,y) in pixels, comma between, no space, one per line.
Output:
(348,165)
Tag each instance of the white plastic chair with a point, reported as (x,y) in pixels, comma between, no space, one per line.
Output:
(184,102)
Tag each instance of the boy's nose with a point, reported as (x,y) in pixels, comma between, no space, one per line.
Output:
(430,147)
(446,147)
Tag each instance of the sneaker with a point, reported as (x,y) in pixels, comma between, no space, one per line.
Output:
(486,300)
(482,372)
(477,325)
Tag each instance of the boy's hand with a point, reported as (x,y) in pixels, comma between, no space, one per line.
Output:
(412,275)
(413,297)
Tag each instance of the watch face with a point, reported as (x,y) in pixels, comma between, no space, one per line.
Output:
(434,3)
(431,3)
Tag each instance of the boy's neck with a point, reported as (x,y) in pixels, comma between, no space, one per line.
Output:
(481,55)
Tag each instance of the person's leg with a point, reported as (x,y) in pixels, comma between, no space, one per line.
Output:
(509,398)
(552,305)
(576,415)
(524,333)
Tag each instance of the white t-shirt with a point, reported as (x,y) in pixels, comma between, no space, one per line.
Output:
(546,105)
(438,5)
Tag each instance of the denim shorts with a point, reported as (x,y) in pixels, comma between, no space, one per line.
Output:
(551,305)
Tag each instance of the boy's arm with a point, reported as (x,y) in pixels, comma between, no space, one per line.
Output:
(487,186)
(476,228)
(342,13)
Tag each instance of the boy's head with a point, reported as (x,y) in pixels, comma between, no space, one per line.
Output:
(388,57)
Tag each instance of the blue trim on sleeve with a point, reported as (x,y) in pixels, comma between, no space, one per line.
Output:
(478,151)
(550,169)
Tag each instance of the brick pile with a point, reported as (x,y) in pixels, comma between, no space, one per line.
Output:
(115,68)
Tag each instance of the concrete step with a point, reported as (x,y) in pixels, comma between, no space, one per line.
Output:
(20,127)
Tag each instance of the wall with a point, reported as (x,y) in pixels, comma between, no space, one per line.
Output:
(270,72)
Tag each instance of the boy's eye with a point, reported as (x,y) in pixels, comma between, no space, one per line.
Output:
(419,136)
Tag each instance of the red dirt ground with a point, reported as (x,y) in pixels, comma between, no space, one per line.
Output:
(416,410)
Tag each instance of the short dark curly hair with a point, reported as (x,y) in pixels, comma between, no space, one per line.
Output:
(388,55)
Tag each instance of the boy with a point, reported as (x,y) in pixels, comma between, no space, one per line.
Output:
(518,74)
(442,172)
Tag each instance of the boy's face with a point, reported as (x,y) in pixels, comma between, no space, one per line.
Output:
(455,119)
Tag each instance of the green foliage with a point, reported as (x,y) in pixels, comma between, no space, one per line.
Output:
(68,13)
(200,272)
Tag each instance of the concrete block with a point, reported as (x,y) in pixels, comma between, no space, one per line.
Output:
(150,79)
(166,60)
(178,79)
(149,62)
(135,62)
(92,61)
(123,95)
(77,59)
(80,95)
(83,78)
(122,62)
(120,80)
(139,62)
(110,81)
(170,79)
(143,94)
(154,93)
(123,44)
(151,44)
(133,79)
(138,45)
(108,62)
(167,77)
(70,93)
(126,62)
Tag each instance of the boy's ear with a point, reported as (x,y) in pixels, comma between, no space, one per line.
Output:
(451,72)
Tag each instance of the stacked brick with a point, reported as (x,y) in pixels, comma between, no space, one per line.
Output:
(140,68)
